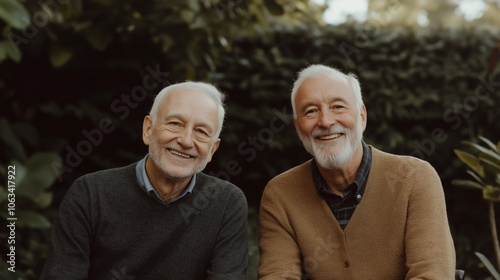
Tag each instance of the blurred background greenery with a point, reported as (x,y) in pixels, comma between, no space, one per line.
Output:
(77,78)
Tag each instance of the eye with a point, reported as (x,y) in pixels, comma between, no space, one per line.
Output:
(338,107)
(202,132)
(174,125)
(311,112)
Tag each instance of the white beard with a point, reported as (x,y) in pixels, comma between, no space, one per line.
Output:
(338,155)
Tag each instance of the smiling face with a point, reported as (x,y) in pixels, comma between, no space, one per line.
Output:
(328,121)
(182,139)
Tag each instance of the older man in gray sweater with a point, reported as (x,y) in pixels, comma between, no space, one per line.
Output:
(159,218)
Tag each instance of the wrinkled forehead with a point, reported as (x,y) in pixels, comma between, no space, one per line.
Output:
(188,96)
(190,104)
(325,86)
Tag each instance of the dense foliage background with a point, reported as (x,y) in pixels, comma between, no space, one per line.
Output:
(76,80)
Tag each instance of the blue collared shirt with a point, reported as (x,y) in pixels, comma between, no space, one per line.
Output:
(143,180)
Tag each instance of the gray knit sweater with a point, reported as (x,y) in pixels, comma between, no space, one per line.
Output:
(109,228)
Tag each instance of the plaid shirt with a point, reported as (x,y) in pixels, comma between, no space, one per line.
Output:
(343,207)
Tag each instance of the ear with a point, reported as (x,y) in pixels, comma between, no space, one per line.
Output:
(364,116)
(147,125)
(215,146)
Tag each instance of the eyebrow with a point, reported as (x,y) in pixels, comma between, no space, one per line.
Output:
(332,100)
(303,107)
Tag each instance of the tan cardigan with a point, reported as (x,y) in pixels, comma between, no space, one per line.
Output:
(398,231)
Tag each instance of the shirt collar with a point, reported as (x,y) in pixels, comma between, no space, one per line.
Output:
(145,183)
(361,175)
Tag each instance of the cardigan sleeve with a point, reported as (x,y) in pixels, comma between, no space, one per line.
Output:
(430,252)
(229,257)
(279,252)
(71,238)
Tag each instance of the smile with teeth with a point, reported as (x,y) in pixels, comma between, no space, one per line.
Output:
(179,154)
(330,136)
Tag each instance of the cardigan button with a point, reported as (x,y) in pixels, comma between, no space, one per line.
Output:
(346,264)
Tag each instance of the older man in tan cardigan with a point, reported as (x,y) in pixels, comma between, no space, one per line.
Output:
(353,211)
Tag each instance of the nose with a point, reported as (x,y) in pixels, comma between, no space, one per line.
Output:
(326,118)
(185,138)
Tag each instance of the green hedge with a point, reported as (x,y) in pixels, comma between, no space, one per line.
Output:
(425,92)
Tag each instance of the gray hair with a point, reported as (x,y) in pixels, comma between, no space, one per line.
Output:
(316,70)
(217,96)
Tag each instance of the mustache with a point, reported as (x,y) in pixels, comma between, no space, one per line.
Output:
(331,130)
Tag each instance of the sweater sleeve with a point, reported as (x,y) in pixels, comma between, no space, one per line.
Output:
(430,252)
(71,234)
(279,253)
(230,255)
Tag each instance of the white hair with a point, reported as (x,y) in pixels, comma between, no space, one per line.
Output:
(217,96)
(317,70)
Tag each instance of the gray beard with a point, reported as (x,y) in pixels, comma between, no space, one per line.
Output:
(338,155)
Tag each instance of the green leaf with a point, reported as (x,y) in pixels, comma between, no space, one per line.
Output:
(12,142)
(467,184)
(471,161)
(199,23)
(20,172)
(39,174)
(485,152)
(491,193)
(30,219)
(490,168)
(194,5)
(187,16)
(475,176)
(9,50)
(489,143)
(44,199)
(59,54)
(489,158)
(14,14)
(254,9)
(488,265)
(98,37)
